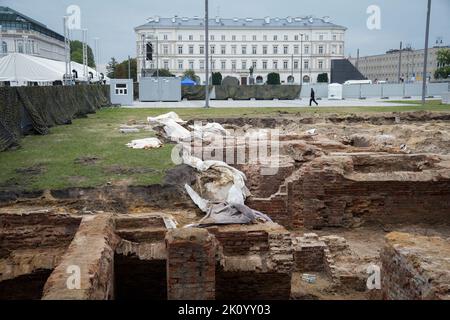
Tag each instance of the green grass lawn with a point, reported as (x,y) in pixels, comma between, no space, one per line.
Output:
(50,162)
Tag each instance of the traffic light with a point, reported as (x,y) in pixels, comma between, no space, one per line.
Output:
(149,50)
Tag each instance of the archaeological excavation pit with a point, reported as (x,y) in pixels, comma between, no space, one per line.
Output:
(348,193)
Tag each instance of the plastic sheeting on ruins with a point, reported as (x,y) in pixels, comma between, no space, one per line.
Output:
(218,181)
(225,213)
(169,125)
(149,143)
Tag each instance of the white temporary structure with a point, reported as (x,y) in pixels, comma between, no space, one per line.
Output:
(19,69)
(335,91)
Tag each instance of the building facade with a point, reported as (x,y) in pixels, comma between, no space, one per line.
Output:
(21,34)
(293,47)
(384,67)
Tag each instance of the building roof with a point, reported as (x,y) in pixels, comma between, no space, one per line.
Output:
(13,20)
(307,22)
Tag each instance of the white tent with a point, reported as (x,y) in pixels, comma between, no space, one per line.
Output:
(18,69)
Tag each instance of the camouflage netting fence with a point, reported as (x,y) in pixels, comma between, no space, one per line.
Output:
(263,92)
(36,109)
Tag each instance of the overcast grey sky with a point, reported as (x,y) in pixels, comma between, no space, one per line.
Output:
(113,21)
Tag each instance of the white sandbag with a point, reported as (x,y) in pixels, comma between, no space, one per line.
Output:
(209,130)
(175,132)
(164,117)
(149,143)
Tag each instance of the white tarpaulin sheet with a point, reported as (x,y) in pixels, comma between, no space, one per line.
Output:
(149,143)
(19,68)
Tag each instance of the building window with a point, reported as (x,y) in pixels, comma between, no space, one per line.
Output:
(180,37)
(264,65)
(244,65)
(223,38)
(202,64)
(334,37)
(213,64)
(265,38)
(166,49)
(166,37)
(191,37)
(285,49)
(264,49)
(306,37)
(296,64)
(254,38)
(223,50)
(202,37)
(191,49)
(244,38)
(233,38)
(191,65)
(254,62)
(166,64)
(233,50)
(275,65)
(296,37)
(4,47)
(285,65)
(254,50)
(321,65)
(212,37)
(320,49)
(333,49)
(306,65)
(321,37)
(306,49)
(244,49)
(275,49)
(180,49)
(296,50)
(286,38)
(20,46)
(233,65)
(275,38)
(121,89)
(180,65)
(202,49)
(213,49)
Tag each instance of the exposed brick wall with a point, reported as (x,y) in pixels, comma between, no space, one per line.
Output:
(415,267)
(36,230)
(92,250)
(241,242)
(191,264)
(276,207)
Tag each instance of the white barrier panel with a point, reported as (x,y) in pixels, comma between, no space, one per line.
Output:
(437,89)
(320,89)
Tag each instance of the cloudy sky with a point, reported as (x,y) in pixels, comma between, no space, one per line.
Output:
(113,21)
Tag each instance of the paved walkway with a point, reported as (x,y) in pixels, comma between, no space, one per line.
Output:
(372,102)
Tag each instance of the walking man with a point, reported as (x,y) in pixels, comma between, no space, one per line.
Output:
(313,98)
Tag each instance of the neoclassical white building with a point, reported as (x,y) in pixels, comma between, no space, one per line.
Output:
(22,34)
(281,45)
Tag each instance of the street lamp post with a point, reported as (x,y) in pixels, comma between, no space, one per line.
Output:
(427,34)
(301,59)
(207,53)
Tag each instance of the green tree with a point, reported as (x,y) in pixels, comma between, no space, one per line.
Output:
(443,59)
(216,79)
(191,75)
(76,53)
(322,78)
(118,70)
(163,73)
(111,68)
(273,78)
